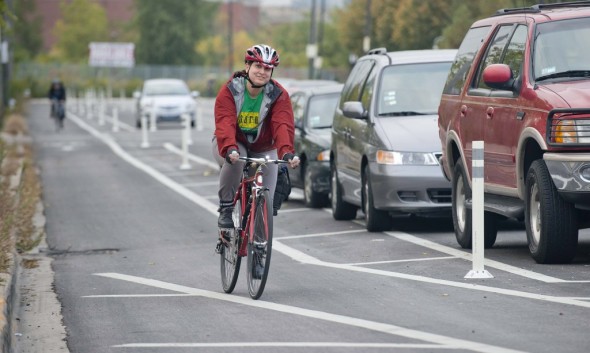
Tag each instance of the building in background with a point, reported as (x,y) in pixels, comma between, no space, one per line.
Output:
(117,11)
(247,14)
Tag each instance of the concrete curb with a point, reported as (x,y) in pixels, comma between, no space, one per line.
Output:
(6,301)
(8,278)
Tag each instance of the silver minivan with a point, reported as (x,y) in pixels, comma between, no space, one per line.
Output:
(385,144)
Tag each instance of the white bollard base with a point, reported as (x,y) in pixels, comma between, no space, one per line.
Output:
(185,166)
(478,274)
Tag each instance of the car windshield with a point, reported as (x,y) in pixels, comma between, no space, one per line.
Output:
(165,88)
(559,50)
(321,110)
(411,89)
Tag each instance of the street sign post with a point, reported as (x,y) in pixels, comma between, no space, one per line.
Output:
(105,54)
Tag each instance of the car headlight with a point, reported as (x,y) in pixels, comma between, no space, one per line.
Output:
(323,156)
(572,131)
(405,158)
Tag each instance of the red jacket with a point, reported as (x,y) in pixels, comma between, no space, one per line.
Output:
(277,127)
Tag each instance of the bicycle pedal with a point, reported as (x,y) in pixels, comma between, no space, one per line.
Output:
(260,245)
(218,246)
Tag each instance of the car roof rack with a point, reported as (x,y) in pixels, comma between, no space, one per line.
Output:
(539,7)
(377,51)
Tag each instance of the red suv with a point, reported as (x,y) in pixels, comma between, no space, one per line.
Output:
(521,83)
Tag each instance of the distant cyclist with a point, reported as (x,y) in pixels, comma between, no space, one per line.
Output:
(254,118)
(57,95)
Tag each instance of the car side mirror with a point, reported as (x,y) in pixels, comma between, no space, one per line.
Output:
(499,76)
(136,94)
(195,94)
(299,124)
(354,110)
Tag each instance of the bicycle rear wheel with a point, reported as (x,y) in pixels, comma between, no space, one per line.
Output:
(260,245)
(230,260)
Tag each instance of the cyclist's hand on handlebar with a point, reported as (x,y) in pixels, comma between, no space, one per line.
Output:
(292,159)
(232,156)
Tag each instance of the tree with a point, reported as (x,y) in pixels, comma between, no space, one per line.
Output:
(419,23)
(169,30)
(27,30)
(467,12)
(83,21)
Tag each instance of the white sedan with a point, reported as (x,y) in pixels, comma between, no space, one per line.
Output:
(168,99)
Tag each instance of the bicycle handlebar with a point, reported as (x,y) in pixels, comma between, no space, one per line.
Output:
(265,160)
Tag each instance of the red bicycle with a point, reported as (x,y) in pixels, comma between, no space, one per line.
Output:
(252,232)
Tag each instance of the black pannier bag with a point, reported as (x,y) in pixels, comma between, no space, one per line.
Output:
(283,189)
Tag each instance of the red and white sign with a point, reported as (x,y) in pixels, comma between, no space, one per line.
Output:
(112,54)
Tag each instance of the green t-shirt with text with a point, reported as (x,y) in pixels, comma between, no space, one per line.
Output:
(249,116)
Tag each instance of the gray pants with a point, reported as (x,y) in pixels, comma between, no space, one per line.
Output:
(231,174)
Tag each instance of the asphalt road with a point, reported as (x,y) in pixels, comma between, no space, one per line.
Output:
(132,239)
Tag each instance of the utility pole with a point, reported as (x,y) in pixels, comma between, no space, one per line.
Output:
(318,63)
(230,36)
(312,48)
(367,38)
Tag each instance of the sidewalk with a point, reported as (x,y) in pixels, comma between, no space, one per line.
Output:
(30,316)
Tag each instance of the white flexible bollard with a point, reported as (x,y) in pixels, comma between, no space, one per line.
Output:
(101,110)
(88,106)
(115,119)
(184,141)
(477,212)
(122,99)
(144,133)
(188,129)
(199,117)
(153,118)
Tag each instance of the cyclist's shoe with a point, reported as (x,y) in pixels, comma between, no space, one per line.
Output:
(225,219)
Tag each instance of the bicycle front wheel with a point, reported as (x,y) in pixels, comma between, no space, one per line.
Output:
(230,260)
(260,245)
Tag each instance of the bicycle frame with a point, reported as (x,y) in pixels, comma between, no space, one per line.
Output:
(251,235)
(247,194)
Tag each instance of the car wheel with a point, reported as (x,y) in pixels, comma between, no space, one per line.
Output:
(311,198)
(462,216)
(341,210)
(376,220)
(551,222)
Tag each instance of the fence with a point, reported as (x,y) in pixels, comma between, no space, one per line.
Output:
(36,77)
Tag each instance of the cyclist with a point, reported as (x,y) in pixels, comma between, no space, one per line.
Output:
(57,95)
(253,117)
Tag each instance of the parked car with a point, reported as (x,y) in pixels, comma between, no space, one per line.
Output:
(520,83)
(314,110)
(385,148)
(169,97)
(300,85)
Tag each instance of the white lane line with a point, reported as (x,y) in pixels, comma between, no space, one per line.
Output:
(468,256)
(212,208)
(116,148)
(170,147)
(319,234)
(292,210)
(204,183)
(138,295)
(284,344)
(315,314)
(406,260)
(308,259)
